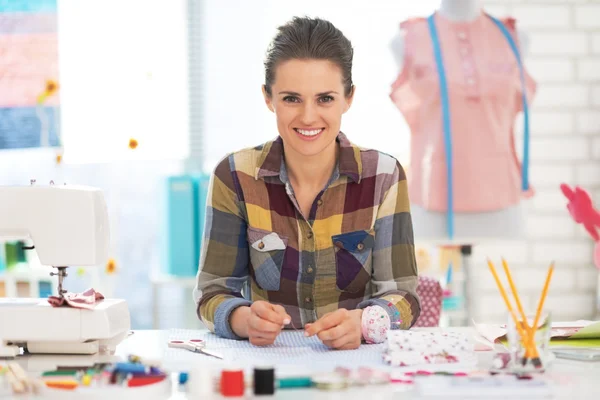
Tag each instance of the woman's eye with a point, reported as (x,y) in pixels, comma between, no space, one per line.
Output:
(291,99)
(326,99)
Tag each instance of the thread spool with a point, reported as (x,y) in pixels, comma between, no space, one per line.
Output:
(232,383)
(200,381)
(264,381)
(330,382)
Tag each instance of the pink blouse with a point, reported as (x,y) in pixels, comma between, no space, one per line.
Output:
(484,90)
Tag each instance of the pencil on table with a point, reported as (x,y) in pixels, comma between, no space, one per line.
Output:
(530,347)
(520,330)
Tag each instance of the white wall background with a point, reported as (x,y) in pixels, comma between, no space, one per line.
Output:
(237,35)
(564,58)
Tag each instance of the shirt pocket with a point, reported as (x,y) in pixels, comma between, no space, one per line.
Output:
(267,251)
(353,260)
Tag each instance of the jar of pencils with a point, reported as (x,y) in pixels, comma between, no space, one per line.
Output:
(528,342)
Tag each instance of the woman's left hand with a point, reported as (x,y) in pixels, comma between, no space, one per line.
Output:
(340,329)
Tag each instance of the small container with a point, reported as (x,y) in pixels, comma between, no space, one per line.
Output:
(519,363)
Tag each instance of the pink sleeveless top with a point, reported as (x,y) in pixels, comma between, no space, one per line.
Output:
(484,91)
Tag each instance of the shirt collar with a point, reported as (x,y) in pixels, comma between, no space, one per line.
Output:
(271,161)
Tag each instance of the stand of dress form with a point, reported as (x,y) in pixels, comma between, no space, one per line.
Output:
(430,226)
(469,227)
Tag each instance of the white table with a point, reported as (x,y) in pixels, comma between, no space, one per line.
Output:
(584,377)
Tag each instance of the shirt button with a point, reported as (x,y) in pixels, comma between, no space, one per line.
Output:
(462,35)
(309,235)
(360,247)
(308,299)
(261,245)
(471,81)
(320,202)
(464,51)
(309,270)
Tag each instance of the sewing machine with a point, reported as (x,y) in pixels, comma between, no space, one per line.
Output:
(67,226)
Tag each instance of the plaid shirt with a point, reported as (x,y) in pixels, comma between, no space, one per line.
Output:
(353,250)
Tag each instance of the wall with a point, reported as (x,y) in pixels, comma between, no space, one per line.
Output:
(564,58)
(133,192)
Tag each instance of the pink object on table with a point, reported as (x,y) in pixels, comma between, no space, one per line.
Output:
(85,299)
(582,210)
(430,293)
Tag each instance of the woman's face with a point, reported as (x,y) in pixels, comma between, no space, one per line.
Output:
(308,101)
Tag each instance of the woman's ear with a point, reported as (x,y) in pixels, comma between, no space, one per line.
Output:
(350,98)
(268,99)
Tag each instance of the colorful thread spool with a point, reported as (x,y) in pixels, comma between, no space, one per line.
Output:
(232,383)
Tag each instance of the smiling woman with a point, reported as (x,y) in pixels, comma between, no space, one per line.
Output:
(320,227)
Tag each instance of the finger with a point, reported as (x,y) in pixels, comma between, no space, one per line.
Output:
(328,321)
(260,341)
(262,335)
(345,342)
(335,332)
(265,311)
(281,311)
(261,325)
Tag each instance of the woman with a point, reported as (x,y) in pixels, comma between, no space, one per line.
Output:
(314,229)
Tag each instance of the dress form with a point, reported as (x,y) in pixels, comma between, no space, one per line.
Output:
(470,227)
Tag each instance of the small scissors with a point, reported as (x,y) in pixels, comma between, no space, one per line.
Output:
(195,345)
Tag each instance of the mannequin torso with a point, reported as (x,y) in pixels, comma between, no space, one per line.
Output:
(470,227)
(460,11)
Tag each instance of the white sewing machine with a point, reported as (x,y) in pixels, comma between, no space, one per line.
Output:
(68,226)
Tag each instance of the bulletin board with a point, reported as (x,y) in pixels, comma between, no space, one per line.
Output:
(29,74)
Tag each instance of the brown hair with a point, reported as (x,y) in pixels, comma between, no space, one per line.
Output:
(309,38)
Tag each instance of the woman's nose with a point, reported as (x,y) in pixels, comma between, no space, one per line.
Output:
(309,113)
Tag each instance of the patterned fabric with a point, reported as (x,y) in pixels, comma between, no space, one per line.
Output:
(484,88)
(375,324)
(431,295)
(86,299)
(417,348)
(353,250)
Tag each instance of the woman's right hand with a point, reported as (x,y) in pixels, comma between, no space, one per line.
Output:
(260,323)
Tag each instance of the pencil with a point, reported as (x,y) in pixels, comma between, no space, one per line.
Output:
(530,348)
(542,300)
(522,332)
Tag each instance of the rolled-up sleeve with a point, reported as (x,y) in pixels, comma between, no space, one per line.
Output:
(223,268)
(395,274)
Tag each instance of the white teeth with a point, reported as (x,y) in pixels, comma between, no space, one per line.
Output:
(309,133)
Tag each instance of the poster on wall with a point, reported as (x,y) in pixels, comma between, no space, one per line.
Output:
(29,79)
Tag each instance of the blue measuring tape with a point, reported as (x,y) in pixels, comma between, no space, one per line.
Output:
(446,114)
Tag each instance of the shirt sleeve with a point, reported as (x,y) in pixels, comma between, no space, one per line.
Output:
(395,274)
(223,269)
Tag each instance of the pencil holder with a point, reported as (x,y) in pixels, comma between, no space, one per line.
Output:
(526,357)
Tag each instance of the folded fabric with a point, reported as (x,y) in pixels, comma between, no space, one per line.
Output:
(85,299)
(412,358)
(428,342)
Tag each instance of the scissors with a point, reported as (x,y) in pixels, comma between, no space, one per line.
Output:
(195,345)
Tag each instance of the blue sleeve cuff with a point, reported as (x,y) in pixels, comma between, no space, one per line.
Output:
(392,311)
(222,314)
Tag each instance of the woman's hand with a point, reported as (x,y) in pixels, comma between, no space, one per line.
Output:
(340,329)
(260,323)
